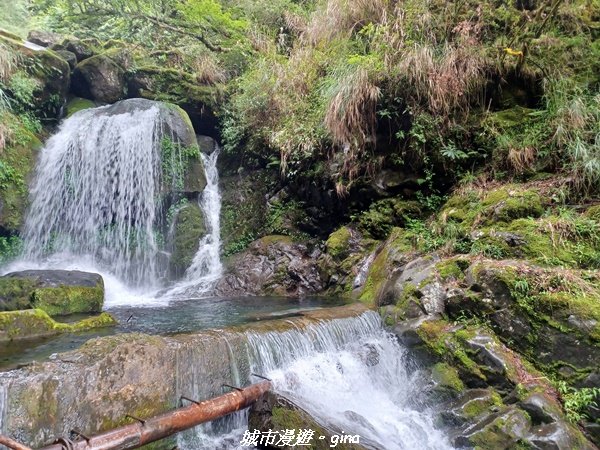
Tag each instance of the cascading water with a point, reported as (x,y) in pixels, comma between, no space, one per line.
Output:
(95,193)
(99,196)
(349,374)
(206,267)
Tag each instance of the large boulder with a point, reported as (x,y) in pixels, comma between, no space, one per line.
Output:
(57,292)
(99,78)
(44,38)
(273,265)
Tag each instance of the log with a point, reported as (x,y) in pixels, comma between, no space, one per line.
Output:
(153,429)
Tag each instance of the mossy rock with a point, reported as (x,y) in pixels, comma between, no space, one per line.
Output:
(99,78)
(77,104)
(447,378)
(170,85)
(51,74)
(338,243)
(383,215)
(16,167)
(188,230)
(59,292)
(15,293)
(36,323)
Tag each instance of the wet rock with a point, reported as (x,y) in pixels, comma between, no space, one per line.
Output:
(44,38)
(500,430)
(540,408)
(272,265)
(188,226)
(274,412)
(81,50)
(99,78)
(206,144)
(473,403)
(60,292)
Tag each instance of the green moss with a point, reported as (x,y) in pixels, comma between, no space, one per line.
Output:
(510,203)
(450,269)
(77,104)
(447,377)
(15,293)
(478,406)
(16,165)
(338,243)
(63,300)
(376,278)
(35,323)
(173,86)
(189,228)
(385,214)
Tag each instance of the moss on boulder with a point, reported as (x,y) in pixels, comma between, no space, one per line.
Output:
(77,104)
(338,243)
(57,292)
(36,323)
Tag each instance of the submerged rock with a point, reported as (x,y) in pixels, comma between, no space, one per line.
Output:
(36,323)
(57,292)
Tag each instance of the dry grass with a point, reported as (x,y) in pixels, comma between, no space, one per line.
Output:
(208,70)
(521,159)
(446,80)
(342,17)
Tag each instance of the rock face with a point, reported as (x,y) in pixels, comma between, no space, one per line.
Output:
(273,265)
(99,78)
(57,292)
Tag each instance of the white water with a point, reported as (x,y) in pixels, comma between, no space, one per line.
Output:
(206,268)
(95,194)
(95,206)
(350,374)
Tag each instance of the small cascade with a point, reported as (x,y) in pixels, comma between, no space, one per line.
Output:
(206,267)
(350,374)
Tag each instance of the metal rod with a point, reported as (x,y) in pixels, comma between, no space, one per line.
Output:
(232,387)
(14,445)
(167,424)
(260,376)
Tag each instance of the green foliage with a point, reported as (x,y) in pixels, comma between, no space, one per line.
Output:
(10,248)
(577,401)
(175,160)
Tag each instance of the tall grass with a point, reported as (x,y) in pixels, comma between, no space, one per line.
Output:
(8,64)
(574,115)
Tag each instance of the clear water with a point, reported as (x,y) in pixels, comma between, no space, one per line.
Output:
(183,316)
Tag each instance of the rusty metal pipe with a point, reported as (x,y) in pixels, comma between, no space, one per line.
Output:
(14,445)
(153,429)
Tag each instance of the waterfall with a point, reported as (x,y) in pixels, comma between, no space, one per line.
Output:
(96,192)
(350,374)
(206,267)
(103,183)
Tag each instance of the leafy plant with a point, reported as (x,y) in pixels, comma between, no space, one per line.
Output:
(577,401)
